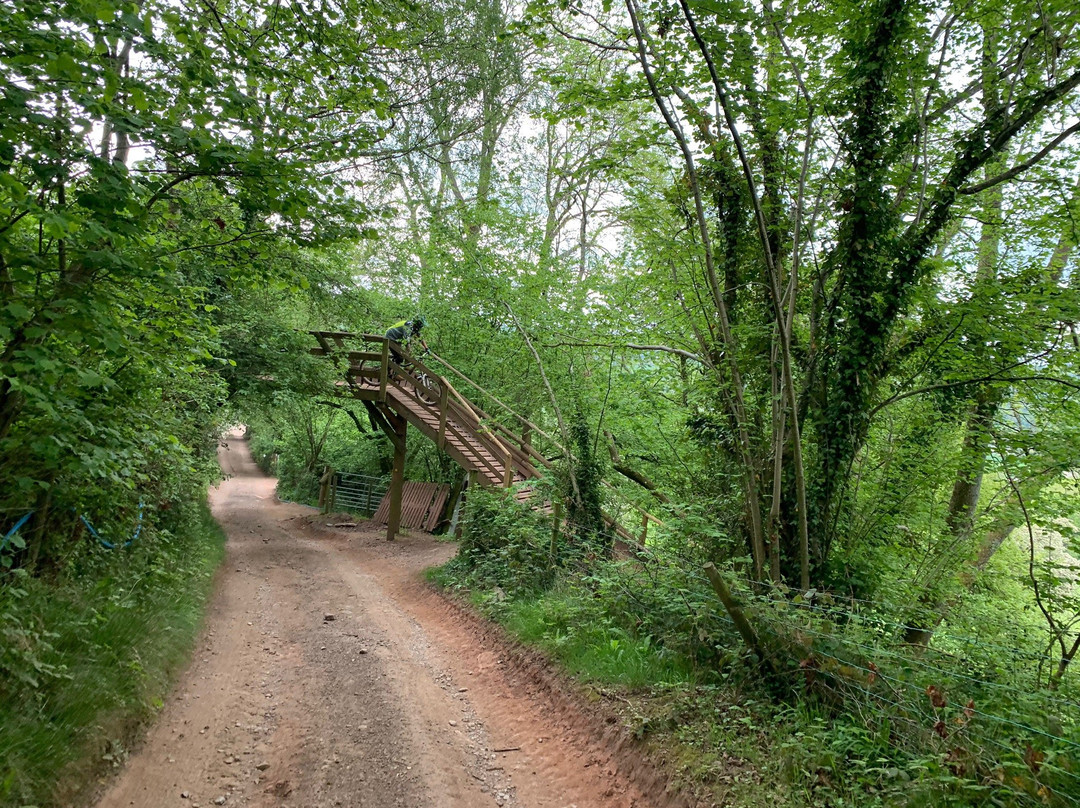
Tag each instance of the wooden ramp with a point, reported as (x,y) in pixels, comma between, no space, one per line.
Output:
(428,402)
(402,393)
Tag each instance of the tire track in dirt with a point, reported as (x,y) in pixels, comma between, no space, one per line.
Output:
(329,674)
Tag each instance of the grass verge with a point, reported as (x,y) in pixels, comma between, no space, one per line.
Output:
(846,716)
(87,659)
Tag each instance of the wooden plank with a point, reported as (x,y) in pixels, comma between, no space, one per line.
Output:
(480,461)
(422,505)
(364,370)
(356,357)
(368,375)
(381,513)
(436,508)
(364,393)
(417,504)
(436,500)
(423,502)
(408,505)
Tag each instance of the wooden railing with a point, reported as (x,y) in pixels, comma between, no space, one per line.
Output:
(372,374)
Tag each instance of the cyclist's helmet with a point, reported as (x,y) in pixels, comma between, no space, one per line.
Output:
(417,324)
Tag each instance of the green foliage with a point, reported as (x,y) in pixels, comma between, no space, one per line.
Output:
(505,544)
(588,637)
(872,725)
(136,227)
(600,625)
(581,491)
(184,192)
(86,658)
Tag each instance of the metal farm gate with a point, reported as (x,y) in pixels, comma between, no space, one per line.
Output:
(355,492)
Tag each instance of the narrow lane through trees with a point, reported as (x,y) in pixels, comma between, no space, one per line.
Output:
(330,674)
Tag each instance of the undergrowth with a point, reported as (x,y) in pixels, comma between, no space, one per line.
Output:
(651,635)
(86,658)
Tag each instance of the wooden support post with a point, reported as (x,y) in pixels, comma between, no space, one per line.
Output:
(644,528)
(384,365)
(443,396)
(473,481)
(508,474)
(397,479)
(324,489)
(526,440)
(456,491)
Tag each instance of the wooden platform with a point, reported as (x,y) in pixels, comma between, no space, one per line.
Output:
(396,394)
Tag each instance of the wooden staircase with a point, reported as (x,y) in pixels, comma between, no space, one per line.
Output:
(397,394)
(413,393)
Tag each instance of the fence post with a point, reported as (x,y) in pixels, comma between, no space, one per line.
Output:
(644,528)
(508,474)
(441,441)
(750,637)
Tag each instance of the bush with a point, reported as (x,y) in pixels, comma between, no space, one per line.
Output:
(505,543)
(86,657)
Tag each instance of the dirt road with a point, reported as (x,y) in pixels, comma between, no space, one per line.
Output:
(330,674)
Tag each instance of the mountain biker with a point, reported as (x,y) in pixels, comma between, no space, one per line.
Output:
(406,333)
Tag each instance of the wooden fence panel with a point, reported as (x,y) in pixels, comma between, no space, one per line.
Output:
(422,506)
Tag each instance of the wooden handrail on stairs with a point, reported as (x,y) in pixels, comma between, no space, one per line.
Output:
(428,400)
(413,391)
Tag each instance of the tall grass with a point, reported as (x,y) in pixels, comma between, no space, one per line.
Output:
(86,659)
(590,644)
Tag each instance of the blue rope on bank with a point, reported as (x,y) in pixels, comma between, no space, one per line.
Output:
(108,545)
(15,530)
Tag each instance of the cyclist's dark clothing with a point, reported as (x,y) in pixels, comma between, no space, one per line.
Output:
(402,333)
(399,332)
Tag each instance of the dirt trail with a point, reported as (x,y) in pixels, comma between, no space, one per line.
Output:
(329,674)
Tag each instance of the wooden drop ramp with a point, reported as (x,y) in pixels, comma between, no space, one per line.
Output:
(397,394)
